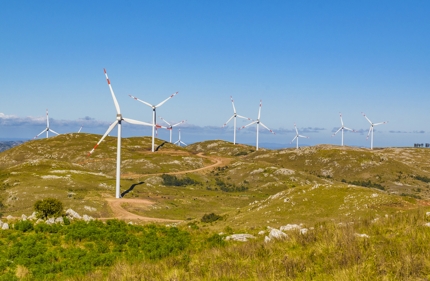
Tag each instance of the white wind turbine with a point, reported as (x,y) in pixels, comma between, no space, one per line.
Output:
(47,129)
(179,140)
(118,122)
(371,129)
(342,128)
(258,122)
(154,115)
(297,137)
(235,115)
(170,127)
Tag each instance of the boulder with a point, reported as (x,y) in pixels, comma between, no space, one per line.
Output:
(23,217)
(9,217)
(240,237)
(5,226)
(87,218)
(277,234)
(32,216)
(261,232)
(39,221)
(267,239)
(289,227)
(72,214)
(362,235)
(427,224)
(59,220)
(50,221)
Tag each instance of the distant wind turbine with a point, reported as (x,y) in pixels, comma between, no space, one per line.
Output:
(371,129)
(297,137)
(342,128)
(235,115)
(170,127)
(118,122)
(47,129)
(258,122)
(154,115)
(179,142)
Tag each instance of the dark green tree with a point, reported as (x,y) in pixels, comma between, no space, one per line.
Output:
(49,207)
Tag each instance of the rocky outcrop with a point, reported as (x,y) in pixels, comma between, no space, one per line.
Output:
(240,237)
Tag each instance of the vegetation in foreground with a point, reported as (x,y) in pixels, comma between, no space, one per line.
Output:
(394,247)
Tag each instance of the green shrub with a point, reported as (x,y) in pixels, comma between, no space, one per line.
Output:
(23,226)
(210,217)
(49,207)
(171,180)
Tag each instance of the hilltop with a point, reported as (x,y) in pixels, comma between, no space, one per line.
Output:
(249,188)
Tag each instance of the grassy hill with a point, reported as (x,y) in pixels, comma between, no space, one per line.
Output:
(335,192)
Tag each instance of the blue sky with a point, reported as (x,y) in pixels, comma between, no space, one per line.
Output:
(307,61)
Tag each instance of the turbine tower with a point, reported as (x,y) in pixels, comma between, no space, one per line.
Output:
(170,127)
(342,128)
(371,129)
(154,114)
(297,137)
(118,122)
(179,140)
(258,122)
(235,115)
(47,129)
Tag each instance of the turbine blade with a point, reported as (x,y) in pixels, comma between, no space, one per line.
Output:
(368,134)
(293,139)
(161,103)
(118,111)
(183,121)
(259,110)
(341,121)
(40,134)
(303,136)
(225,124)
(380,123)
(135,122)
(183,143)
(165,121)
(53,131)
(366,117)
(47,119)
(247,125)
(103,137)
(264,126)
(295,127)
(346,128)
(243,117)
(144,102)
(337,132)
(232,102)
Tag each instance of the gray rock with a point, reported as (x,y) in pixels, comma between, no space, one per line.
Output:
(427,224)
(240,237)
(362,235)
(72,214)
(59,220)
(23,217)
(39,221)
(261,232)
(9,217)
(50,221)
(267,239)
(87,218)
(32,216)
(5,226)
(289,227)
(304,231)
(277,234)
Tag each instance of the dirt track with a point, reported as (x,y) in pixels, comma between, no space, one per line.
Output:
(120,213)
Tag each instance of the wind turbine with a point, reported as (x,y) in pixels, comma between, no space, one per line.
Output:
(342,128)
(371,129)
(170,127)
(80,129)
(154,107)
(258,122)
(47,129)
(235,115)
(297,137)
(179,140)
(118,122)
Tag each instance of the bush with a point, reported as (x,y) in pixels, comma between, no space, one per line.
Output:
(49,207)
(23,226)
(170,180)
(210,217)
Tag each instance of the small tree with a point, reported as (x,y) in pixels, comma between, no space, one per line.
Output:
(49,207)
